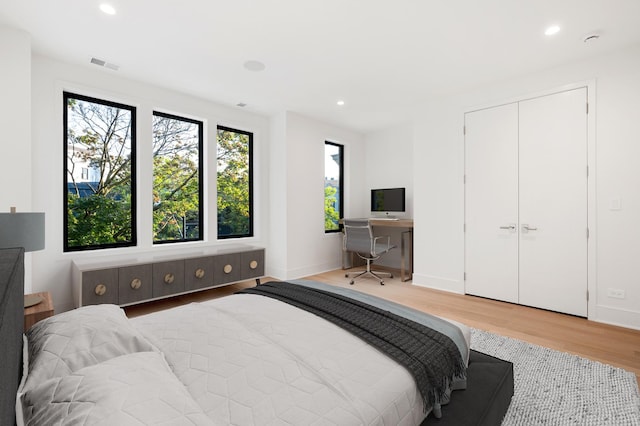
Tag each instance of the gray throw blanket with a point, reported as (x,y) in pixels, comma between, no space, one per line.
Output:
(431,357)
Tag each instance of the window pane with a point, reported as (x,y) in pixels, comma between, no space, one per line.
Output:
(234,181)
(100,174)
(177,182)
(333,168)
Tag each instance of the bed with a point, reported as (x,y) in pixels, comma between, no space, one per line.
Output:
(246,359)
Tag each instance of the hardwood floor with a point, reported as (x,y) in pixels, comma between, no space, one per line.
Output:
(599,342)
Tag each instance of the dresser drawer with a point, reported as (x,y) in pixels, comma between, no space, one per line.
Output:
(198,273)
(134,284)
(226,268)
(168,278)
(100,286)
(251,264)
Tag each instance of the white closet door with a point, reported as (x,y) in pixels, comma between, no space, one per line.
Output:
(491,194)
(553,202)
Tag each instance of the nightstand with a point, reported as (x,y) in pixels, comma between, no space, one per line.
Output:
(38,312)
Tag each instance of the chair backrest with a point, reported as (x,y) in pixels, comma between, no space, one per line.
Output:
(358,236)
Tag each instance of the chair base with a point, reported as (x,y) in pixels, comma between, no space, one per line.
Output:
(377,274)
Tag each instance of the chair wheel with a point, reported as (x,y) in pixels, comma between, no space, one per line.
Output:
(351,282)
(346,275)
(381,282)
(390,276)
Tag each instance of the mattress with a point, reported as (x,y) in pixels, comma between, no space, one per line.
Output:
(242,359)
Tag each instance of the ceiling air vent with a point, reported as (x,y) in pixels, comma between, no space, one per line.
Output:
(105,64)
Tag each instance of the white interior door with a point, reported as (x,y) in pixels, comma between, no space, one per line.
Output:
(491,207)
(553,202)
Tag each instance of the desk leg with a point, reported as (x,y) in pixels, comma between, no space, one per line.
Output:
(406,236)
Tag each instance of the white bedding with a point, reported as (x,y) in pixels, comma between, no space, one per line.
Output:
(135,389)
(242,360)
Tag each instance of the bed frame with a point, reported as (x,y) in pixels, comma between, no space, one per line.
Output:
(484,402)
(11,329)
(487,397)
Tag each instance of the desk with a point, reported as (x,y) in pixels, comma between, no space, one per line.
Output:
(406,242)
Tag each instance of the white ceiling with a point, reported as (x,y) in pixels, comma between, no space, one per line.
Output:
(381,57)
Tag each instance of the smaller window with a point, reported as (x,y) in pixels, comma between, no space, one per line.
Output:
(177,179)
(333,186)
(85,173)
(234,183)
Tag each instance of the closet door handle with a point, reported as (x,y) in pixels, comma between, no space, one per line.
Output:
(526,228)
(510,227)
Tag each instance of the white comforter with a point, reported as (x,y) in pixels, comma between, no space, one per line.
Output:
(251,360)
(242,360)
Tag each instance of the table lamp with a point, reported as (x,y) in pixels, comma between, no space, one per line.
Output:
(24,230)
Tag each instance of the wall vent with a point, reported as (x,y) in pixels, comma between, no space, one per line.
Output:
(105,64)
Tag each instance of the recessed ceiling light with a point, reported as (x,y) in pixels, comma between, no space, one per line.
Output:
(254,66)
(340,102)
(108,9)
(552,30)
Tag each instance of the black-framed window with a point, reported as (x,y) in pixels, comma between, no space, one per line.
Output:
(234,183)
(333,186)
(99,204)
(177,179)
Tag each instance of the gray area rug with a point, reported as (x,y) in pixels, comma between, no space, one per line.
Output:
(556,388)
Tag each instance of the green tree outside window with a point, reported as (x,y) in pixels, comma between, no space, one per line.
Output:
(177,182)
(234,183)
(333,184)
(99,173)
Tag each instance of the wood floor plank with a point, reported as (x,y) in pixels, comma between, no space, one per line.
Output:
(604,343)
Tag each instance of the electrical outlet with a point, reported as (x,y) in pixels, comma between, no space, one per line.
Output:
(616,293)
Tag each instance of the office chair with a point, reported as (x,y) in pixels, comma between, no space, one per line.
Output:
(358,238)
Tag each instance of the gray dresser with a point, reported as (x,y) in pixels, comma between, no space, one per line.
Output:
(127,280)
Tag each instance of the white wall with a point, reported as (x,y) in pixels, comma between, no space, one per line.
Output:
(52,267)
(278,212)
(438,240)
(299,150)
(439,203)
(390,165)
(15,122)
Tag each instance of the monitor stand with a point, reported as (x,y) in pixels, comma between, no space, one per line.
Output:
(387,216)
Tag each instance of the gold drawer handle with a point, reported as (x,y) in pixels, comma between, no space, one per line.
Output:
(199,273)
(101,289)
(168,278)
(227,269)
(253,264)
(136,283)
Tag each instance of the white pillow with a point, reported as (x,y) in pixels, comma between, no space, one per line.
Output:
(67,342)
(134,389)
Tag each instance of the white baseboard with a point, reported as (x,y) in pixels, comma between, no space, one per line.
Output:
(438,283)
(277,273)
(293,274)
(616,316)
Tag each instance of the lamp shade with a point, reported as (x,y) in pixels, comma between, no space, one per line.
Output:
(22,230)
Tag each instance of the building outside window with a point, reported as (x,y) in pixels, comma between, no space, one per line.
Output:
(234,183)
(177,178)
(333,186)
(99,205)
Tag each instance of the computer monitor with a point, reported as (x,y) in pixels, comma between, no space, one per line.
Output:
(388,200)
